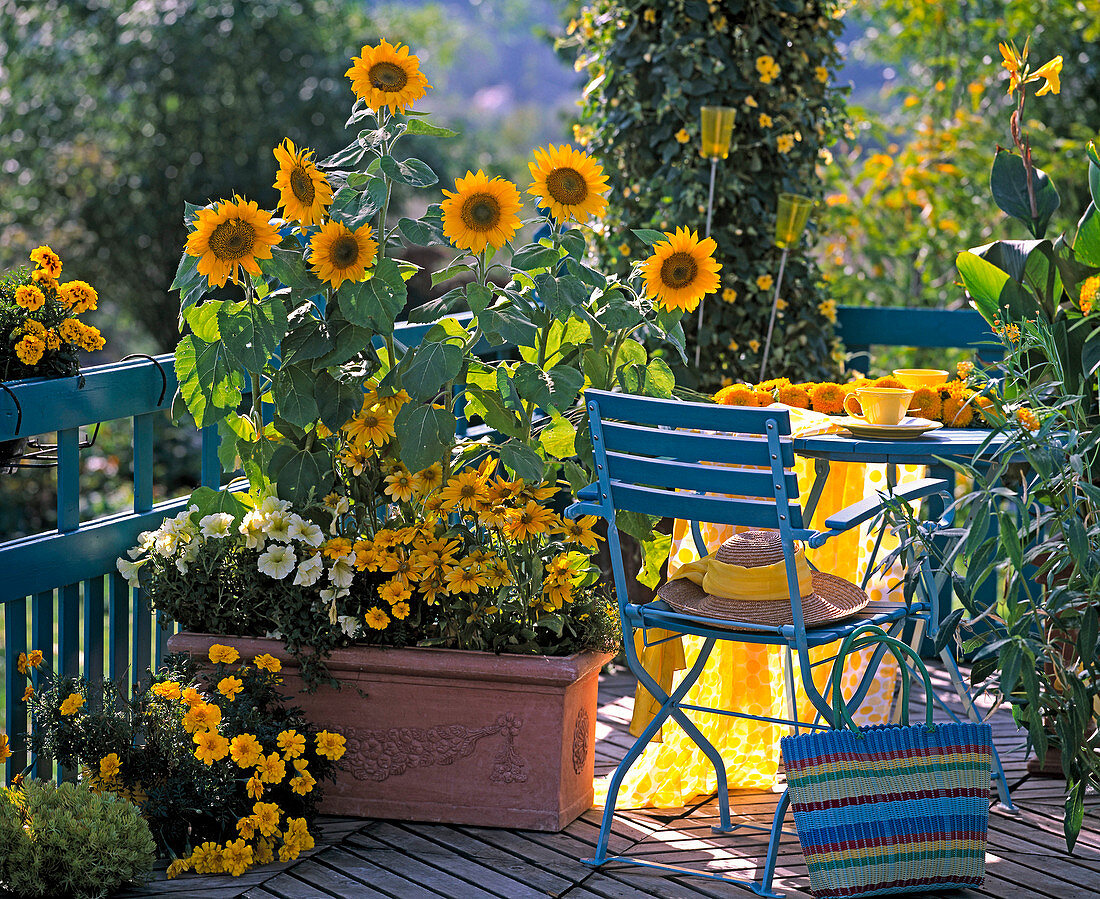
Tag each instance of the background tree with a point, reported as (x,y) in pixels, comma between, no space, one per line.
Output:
(910,187)
(650,66)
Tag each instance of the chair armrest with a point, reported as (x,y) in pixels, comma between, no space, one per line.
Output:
(868,508)
(587,503)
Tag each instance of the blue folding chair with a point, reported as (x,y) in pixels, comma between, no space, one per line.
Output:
(724,465)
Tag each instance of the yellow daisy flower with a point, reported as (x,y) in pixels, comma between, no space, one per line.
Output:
(234,233)
(681,271)
(338,254)
(304,193)
(481,212)
(580,531)
(376,619)
(530,520)
(387,76)
(428,479)
(570,183)
(400,486)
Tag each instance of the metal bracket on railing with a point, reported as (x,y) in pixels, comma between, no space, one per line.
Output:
(160,368)
(18,407)
(37,454)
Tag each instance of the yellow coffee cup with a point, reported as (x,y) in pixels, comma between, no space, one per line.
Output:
(920,377)
(878,405)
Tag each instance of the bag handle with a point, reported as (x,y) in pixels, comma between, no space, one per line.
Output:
(868,635)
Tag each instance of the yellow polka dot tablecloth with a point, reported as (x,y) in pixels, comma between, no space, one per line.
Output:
(750,677)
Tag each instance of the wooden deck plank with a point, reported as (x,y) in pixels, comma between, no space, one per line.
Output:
(388,883)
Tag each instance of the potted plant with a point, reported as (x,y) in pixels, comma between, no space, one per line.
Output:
(40,332)
(464,618)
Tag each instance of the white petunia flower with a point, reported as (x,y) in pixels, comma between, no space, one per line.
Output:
(129,570)
(349,624)
(277,526)
(342,572)
(309,571)
(165,544)
(330,594)
(252,526)
(274,504)
(305,531)
(182,564)
(278,561)
(216,525)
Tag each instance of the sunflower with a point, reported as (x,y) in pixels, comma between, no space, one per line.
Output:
(338,254)
(827,398)
(465,491)
(304,193)
(793,395)
(387,75)
(569,182)
(481,212)
(234,232)
(681,270)
(530,520)
(926,403)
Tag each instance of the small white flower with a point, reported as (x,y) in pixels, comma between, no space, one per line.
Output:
(309,571)
(252,526)
(129,570)
(349,624)
(330,595)
(216,525)
(277,562)
(305,531)
(181,564)
(342,572)
(277,526)
(165,544)
(274,504)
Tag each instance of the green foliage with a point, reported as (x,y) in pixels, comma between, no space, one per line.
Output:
(70,841)
(650,67)
(910,183)
(121,110)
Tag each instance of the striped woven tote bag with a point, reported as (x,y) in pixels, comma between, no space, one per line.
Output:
(890,809)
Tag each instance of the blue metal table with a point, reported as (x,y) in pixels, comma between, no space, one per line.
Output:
(959,444)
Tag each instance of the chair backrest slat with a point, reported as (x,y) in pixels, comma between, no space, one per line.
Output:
(651,411)
(685,446)
(714,509)
(645,471)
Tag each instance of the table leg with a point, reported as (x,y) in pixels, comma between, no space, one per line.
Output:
(821,475)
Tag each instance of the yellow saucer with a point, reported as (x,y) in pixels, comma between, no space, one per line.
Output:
(907,427)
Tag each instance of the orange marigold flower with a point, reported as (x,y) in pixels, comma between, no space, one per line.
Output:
(957,411)
(1027,419)
(827,398)
(1090,289)
(737,395)
(926,403)
(792,395)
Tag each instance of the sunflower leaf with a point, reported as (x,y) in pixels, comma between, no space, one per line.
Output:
(375,303)
(648,236)
(412,172)
(522,461)
(425,434)
(252,332)
(292,390)
(558,438)
(452,271)
(349,156)
(208,382)
(300,474)
(534,257)
(337,401)
(289,268)
(433,365)
(419,126)
(424,233)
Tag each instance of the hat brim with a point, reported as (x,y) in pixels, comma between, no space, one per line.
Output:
(833,599)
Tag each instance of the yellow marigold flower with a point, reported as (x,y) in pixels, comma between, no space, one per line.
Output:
(192,697)
(177,867)
(202,716)
(233,233)
(266,815)
(303,783)
(30,349)
(21,663)
(1090,290)
(330,745)
(220,653)
(255,787)
(400,610)
(387,76)
(210,746)
(338,254)
(821,74)
(964,369)
(765,282)
(53,340)
(229,687)
(236,857)
(1027,419)
(90,339)
(765,120)
(109,766)
(271,769)
(72,704)
(682,136)
(400,486)
(245,750)
(34,659)
(5,750)
(681,271)
(28,693)
(304,193)
(394,591)
(481,212)
(650,15)
(794,396)
(926,403)
(376,619)
(292,744)
(624,248)
(70,330)
(784,143)
(569,183)
(79,296)
(729,295)
(30,297)
(246,827)
(268,662)
(827,398)
(47,260)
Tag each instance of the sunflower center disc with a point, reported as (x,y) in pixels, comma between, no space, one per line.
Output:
(232,240)
(345,251)
(301,185)
(567,186)
(481,212)
(679,270)
(387,76)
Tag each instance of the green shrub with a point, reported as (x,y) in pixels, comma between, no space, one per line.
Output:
(650,67)
(69,841)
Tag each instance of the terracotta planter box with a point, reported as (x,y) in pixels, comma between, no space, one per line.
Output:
(450,736)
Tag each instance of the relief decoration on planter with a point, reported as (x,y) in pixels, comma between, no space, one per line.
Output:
(580,741)
(381,754)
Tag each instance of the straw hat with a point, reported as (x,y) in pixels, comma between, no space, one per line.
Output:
(746,580)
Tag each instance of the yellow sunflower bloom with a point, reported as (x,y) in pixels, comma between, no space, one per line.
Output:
(827,398)
(481,212)
(681,271)
(570,183)
(338,254)
(737,395)
(387,75)
(400,486)
(234,233)
(304,193)
(530,520)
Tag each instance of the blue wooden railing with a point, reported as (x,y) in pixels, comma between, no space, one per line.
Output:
(63,587)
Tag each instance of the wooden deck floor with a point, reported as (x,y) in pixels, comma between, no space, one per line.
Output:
(374,859)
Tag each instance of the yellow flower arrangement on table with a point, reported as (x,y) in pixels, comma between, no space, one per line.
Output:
(954,403)
(40,331)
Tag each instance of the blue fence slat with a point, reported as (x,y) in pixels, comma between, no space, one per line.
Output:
(42,638)
(68,630)
(118,628)
(15,711)
(93,628)
(210,474)
(143,462)
(141,641)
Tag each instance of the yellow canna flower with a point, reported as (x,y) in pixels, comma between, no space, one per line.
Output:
(1050,73)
